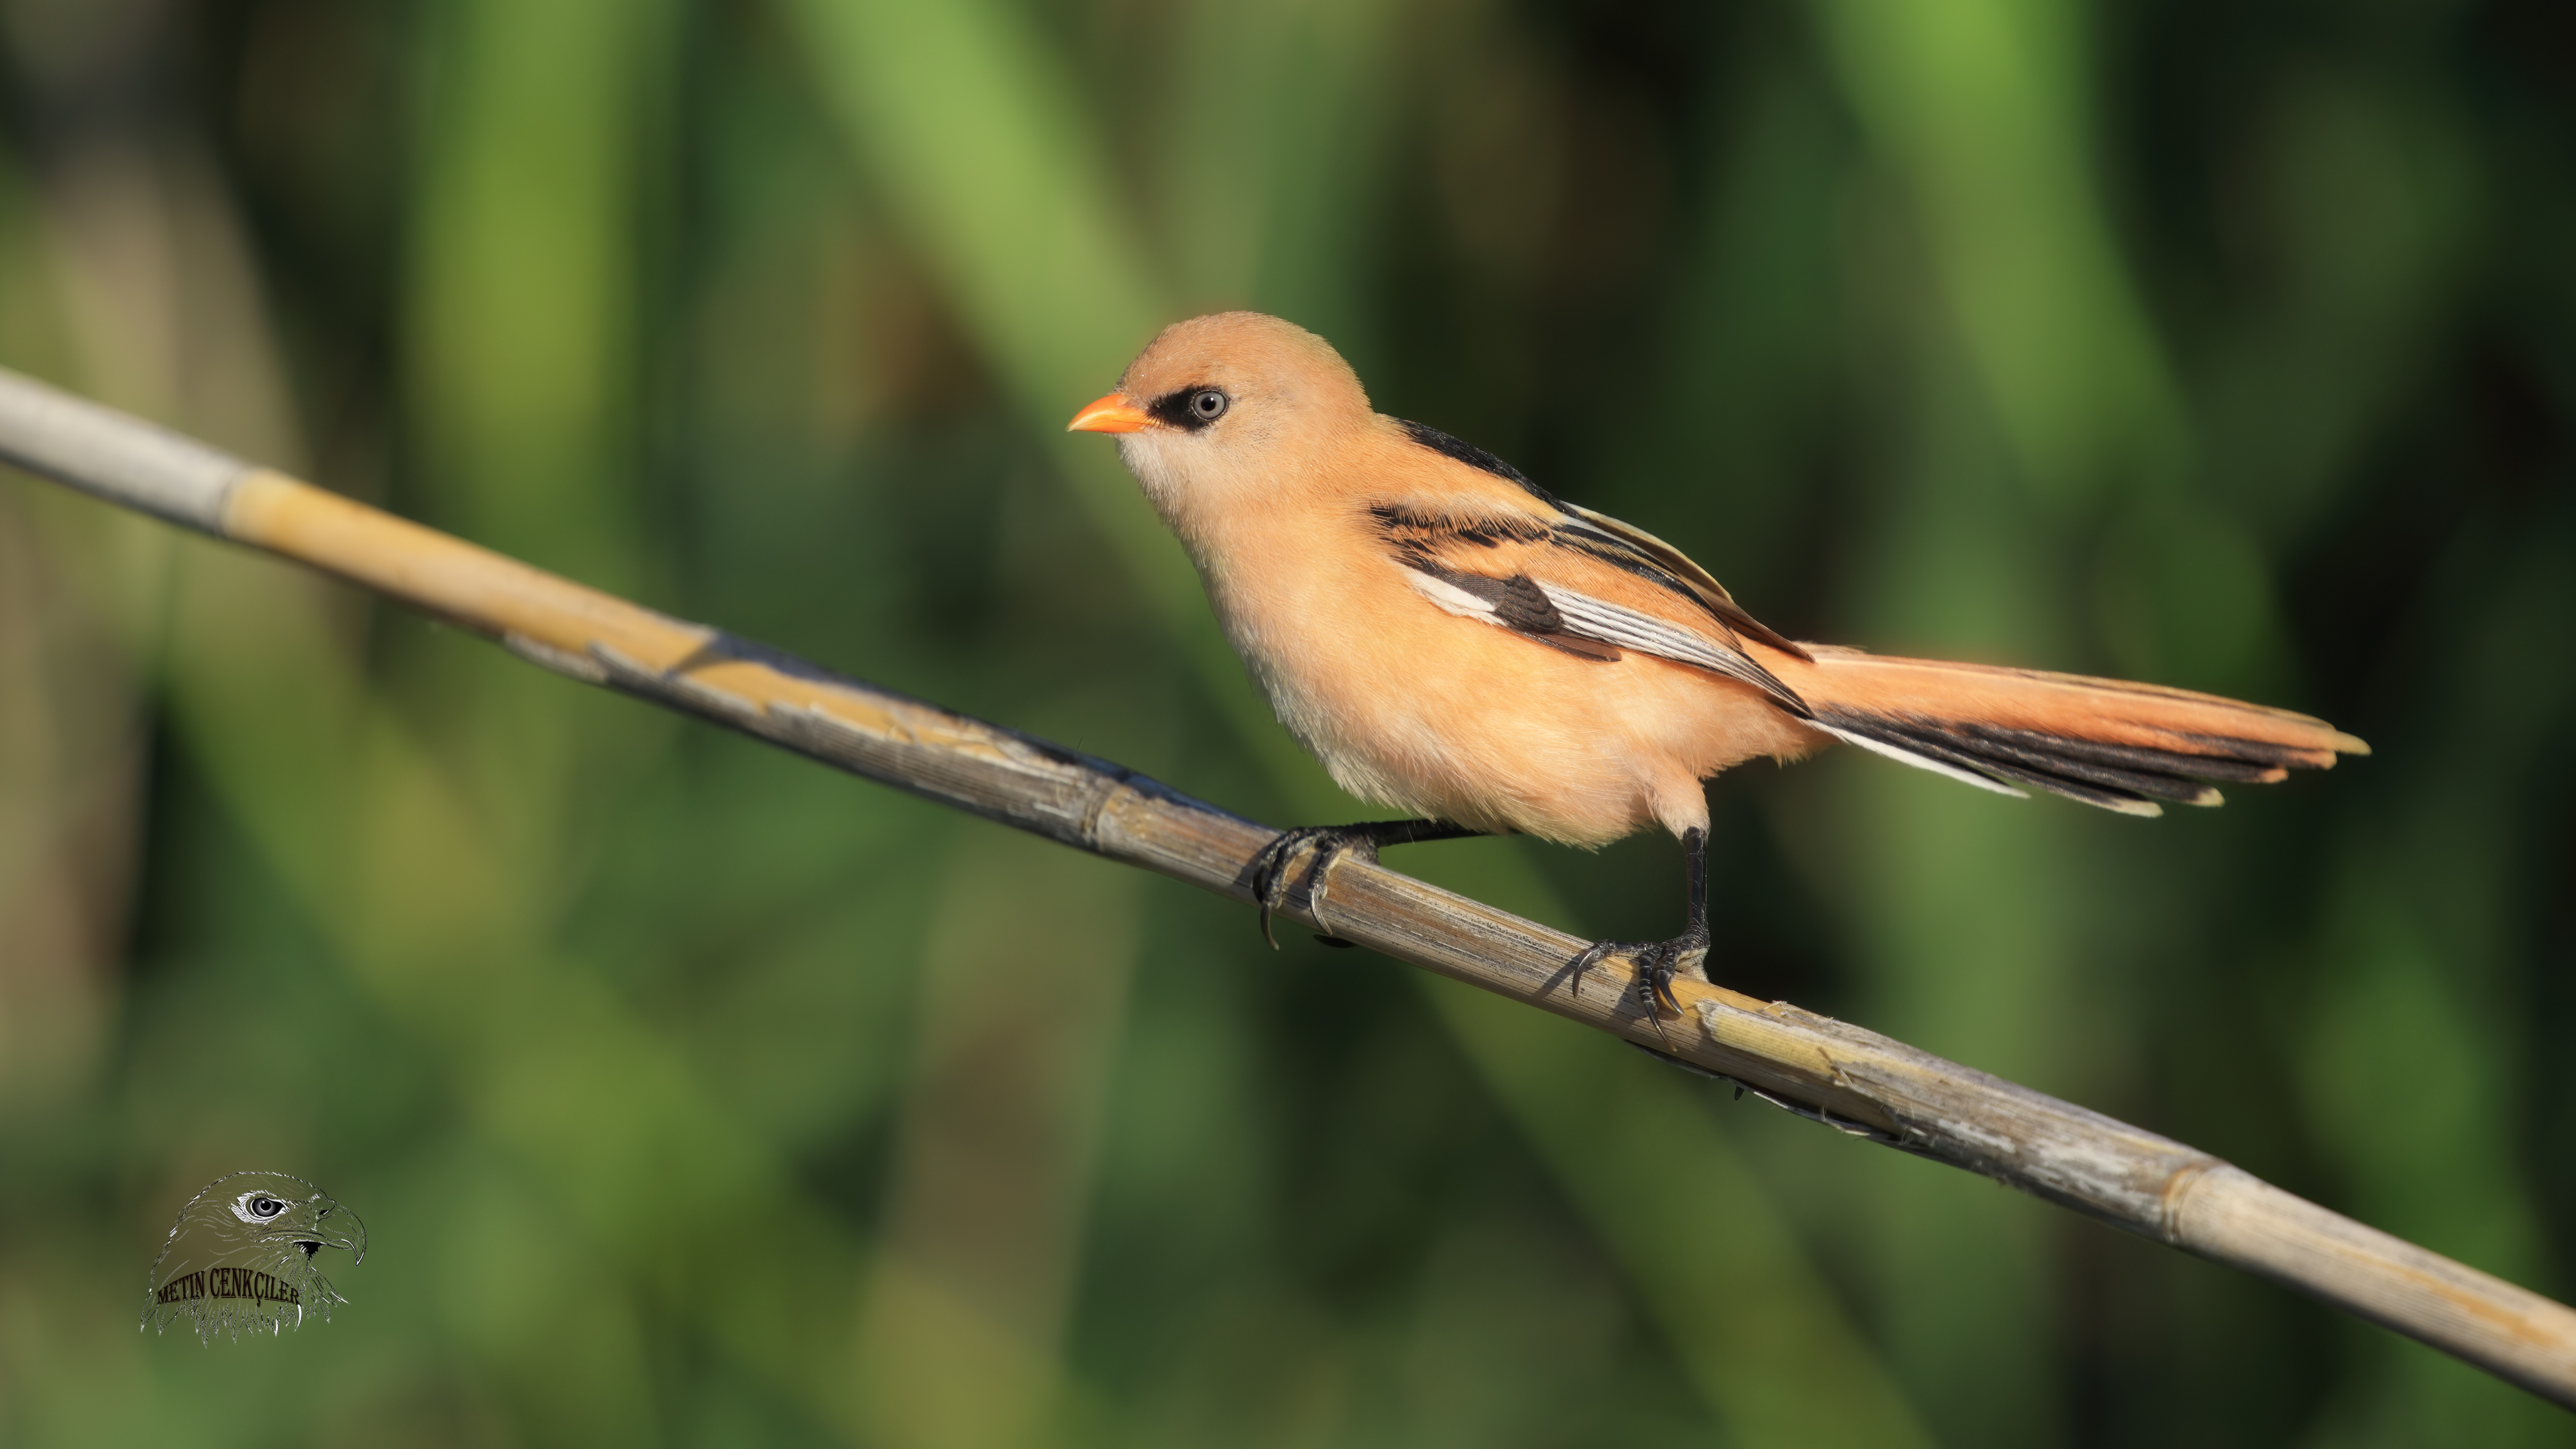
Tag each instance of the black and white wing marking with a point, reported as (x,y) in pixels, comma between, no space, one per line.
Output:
(1621,545)
(1560,582)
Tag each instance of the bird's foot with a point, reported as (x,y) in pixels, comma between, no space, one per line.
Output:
(1269,880)
(1657,964)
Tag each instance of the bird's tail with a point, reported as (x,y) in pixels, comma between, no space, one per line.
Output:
(2105,742)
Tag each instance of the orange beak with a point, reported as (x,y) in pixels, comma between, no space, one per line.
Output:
(1111,414)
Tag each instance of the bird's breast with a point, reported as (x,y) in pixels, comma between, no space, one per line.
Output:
(1412,707)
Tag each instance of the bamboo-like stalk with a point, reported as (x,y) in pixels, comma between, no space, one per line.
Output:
(1849,1078)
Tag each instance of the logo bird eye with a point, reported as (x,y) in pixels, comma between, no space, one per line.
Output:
(267,1207)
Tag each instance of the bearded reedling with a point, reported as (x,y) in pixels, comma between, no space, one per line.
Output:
(1452,640)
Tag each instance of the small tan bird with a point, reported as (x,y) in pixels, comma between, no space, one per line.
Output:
(1452,640)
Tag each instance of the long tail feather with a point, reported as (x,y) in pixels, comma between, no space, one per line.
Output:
(2106,742)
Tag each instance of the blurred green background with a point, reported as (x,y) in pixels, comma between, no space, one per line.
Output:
(694,1095)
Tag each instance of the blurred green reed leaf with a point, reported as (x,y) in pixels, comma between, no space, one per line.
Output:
(1985,110)
(984,152)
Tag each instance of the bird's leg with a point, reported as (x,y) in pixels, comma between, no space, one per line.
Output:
(1658,962)
(1687,953)
(1269,874)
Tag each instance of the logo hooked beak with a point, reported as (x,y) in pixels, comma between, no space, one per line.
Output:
(335,1227)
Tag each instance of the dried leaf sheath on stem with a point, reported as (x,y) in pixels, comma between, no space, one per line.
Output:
(1851,1078)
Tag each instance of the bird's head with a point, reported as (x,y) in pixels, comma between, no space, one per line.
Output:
(1221,412)
(241,1255)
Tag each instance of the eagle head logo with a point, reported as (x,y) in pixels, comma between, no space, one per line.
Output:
(241,1256)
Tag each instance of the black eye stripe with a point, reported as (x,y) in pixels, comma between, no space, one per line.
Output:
(1191,408)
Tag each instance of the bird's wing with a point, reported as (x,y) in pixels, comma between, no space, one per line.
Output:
(1622,545)
(1633,548)
(1576,581)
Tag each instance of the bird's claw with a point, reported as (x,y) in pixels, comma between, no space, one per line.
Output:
(1269,880)
(1657,964)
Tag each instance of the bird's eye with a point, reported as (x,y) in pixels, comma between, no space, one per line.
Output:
(267,1207)
(1209,405)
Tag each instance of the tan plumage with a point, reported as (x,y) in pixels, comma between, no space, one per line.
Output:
(1451,640)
